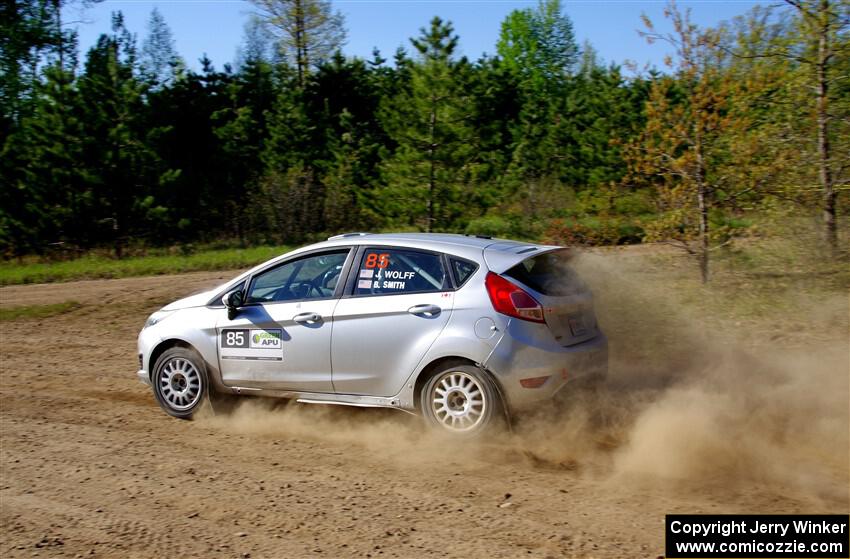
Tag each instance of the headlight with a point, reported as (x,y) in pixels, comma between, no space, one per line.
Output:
(157,317)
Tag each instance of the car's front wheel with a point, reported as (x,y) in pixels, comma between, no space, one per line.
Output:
(180,382)
(462,400)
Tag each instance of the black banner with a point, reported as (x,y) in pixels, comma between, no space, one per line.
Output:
(743,536)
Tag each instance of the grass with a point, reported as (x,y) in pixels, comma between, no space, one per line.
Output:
(37,311)
(765,291)
(95,267)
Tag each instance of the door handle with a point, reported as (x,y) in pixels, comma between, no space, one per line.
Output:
(425,310)
(307,318)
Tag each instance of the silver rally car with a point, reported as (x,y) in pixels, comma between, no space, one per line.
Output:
(462,330)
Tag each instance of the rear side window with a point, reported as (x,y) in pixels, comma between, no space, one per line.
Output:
(462,270)
(549,274)
(387,271)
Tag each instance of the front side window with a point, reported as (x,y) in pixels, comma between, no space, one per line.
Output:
(387,271)
(311,277)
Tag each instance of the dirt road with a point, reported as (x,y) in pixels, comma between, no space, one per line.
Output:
(91,467)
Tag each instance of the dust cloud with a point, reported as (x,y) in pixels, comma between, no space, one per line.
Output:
(688,403)
(393,436)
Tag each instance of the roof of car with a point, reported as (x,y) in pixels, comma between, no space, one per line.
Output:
(500,254)
(473,241)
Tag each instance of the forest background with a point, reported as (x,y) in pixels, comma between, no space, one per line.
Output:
(744,134)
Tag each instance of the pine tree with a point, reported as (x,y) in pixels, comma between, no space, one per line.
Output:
(242,129)
(119,163)
(27,32)
(257,44)
(43,203)
(290,188)
(199,193)
(599,113)
(160,63)
(432,169)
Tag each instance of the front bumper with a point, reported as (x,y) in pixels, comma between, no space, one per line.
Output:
(513,360)
(144,377)
(146,342)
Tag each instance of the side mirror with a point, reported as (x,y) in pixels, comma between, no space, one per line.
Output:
(233,301)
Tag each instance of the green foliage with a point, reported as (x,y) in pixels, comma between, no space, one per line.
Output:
(544,140)
(539,51)
(594,231)
(431,173)
(45,189)
(490,226)
(539,44)
(31,35)
(121,168)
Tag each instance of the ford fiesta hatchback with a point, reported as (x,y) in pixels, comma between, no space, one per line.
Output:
(462,330)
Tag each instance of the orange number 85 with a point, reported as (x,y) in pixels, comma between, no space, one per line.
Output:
(379,260)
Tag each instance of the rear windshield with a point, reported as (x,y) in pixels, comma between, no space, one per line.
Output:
(549,274)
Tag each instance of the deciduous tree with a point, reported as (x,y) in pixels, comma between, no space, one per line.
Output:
(308,31)
(681,146)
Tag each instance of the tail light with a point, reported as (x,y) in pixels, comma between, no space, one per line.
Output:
(509,299)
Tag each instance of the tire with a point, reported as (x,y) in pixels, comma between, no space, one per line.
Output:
(462,400)
(180,382)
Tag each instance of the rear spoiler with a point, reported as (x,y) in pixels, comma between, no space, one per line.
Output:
(502,256)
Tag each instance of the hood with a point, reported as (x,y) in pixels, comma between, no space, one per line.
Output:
(196,300)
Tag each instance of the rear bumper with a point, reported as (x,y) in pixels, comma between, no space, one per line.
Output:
(513,360)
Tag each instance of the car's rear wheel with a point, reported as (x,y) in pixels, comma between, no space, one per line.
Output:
(180,382)
(462,400)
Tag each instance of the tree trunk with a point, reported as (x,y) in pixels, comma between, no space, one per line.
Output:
(432,125)
(57,7)
(118,244)
(300,43)
(703,232)
(824,155)
(702,202)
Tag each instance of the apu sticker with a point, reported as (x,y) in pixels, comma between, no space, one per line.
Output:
(265,339)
